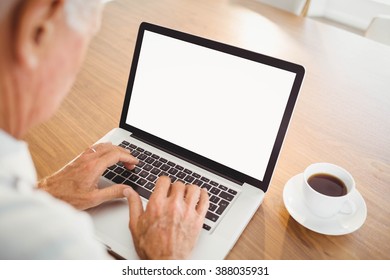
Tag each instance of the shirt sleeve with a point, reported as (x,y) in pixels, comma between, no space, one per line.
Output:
(37,226)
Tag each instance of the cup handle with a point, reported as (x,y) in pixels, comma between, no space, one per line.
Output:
(348,208)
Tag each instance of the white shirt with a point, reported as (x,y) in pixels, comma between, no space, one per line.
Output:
(33,224)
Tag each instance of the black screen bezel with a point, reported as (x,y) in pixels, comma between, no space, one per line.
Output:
(197,159)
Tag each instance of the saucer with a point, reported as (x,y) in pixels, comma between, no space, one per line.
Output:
(336,225)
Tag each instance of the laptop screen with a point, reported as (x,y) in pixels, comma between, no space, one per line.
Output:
(223,107)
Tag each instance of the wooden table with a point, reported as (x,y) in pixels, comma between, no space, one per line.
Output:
(342,115)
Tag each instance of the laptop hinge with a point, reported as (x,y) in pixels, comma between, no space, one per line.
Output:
(186,159)
(113,254)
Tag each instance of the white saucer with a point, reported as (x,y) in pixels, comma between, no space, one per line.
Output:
(336,225)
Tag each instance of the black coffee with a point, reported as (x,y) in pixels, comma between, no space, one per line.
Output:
(327,184)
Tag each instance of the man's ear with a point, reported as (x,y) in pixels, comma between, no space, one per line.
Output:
(35,26)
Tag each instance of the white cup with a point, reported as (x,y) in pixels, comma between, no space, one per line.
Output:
(326,206)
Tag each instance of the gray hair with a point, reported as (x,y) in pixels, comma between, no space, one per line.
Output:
(79,13)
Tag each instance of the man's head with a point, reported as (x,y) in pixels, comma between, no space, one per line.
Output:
(43,43)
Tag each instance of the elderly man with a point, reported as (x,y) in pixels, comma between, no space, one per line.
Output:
(43,43)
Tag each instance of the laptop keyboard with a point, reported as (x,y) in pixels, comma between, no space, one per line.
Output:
(151,166)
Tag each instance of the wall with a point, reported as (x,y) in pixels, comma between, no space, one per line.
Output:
(294,6)
(354,13)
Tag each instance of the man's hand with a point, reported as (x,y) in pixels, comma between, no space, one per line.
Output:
(76,183)
(172,221)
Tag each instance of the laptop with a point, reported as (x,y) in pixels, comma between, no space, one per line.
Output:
(204,113)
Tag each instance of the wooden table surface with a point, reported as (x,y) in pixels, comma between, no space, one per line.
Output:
(342,115)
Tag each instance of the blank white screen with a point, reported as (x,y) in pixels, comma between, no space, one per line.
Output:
(223,107)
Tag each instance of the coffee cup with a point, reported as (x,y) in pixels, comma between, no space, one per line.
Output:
(327,190)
